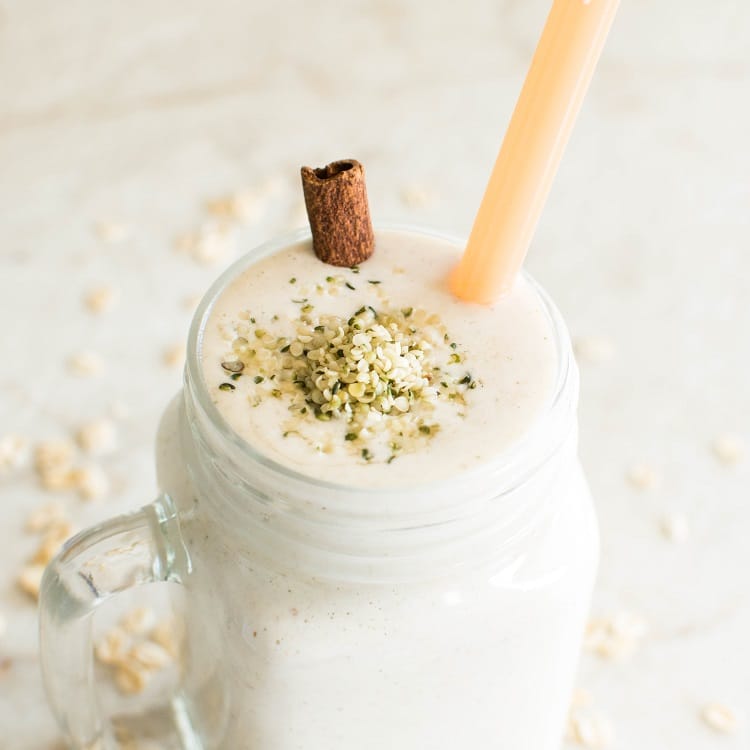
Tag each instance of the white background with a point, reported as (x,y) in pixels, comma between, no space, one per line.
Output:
(140,111)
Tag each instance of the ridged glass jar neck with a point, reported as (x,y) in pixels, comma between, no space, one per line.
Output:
(354,533)
(351,534)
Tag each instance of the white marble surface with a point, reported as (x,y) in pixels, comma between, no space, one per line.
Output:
(140,111)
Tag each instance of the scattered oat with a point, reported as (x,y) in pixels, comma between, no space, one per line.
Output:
(245,206)
(100,299)
(721,718)
(53,459)
(86,364)
(30,579)
(642,476)
(43,518)
(675,527)
(418,196)
(139,621)
(14,451)
(52,541)
(113,647)
(211,243)
(112,232)
(174,356)
(150,655)
(54,466)
(580,699)
(58,481)
(133,650)
(96,437)
(130,679)
(594,349)
(91,482)
(50,521)
(729,449)
(591,731)
(615,637)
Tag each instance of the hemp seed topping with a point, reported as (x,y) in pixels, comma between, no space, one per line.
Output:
(374,372)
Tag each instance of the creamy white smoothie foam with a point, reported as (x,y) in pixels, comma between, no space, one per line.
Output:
(489,370)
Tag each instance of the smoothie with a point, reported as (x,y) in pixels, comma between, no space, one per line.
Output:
(377,375)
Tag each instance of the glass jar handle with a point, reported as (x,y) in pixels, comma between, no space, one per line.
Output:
(119,554)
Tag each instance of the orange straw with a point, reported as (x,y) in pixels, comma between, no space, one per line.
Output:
(558,78)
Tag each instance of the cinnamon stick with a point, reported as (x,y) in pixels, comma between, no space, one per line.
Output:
(339,215)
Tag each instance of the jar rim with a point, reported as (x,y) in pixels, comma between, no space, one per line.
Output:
(503,463)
